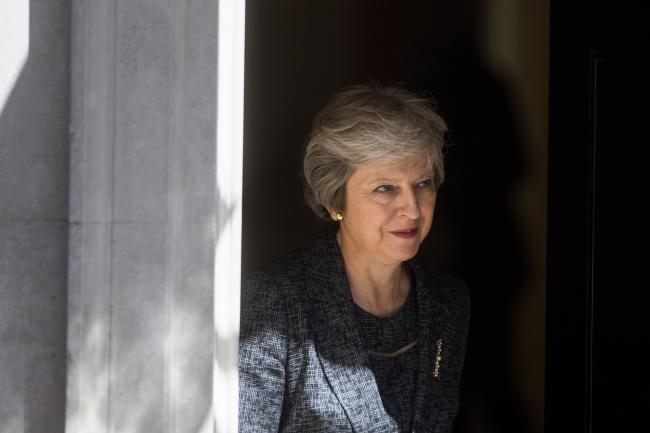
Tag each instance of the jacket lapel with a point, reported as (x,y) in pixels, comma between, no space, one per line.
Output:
(338,342)
(435,328)
(340,348)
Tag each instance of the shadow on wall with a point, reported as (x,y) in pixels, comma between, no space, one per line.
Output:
(34,95)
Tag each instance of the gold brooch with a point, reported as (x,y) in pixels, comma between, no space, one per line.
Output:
(436,368)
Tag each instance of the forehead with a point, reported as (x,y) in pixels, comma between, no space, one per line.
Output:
(413,168)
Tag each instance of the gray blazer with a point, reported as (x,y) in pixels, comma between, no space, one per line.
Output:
(301,363)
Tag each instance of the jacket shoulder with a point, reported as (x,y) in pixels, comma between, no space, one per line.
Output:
(289,271)
(281,275)
(267,295)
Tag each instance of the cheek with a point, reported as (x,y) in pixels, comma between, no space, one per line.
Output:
(371,219)
(428,210)
(427,205)
(375,213)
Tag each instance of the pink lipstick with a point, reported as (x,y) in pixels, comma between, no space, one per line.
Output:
(405,234)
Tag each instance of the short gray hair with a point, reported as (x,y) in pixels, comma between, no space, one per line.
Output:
(366,124)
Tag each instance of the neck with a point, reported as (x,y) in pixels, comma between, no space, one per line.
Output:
(379,288)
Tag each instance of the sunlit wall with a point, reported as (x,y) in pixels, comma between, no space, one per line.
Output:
(14,44)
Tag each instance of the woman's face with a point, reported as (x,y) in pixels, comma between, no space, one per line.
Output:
(388,210)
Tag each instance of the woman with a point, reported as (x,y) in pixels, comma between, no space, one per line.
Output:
(350,334)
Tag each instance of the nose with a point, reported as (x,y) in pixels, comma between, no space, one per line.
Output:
(409,205)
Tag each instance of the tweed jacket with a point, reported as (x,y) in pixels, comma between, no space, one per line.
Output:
(302,367)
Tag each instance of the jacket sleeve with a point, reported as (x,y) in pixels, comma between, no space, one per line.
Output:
(262,355)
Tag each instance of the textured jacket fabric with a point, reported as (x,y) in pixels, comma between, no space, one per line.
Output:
(301,363)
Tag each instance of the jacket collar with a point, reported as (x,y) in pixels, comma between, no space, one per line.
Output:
(339,343)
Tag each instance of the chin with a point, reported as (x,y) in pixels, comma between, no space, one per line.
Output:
(406,254)
(407,251)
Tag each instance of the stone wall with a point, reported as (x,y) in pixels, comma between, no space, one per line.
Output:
(112,218)
(34,161)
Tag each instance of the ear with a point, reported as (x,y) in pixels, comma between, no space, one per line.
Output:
(332,213)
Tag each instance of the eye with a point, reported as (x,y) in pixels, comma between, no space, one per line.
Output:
(428,183)
(385,188)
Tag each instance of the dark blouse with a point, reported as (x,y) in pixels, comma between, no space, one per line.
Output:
(395,376)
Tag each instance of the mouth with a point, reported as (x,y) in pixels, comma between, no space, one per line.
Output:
(406,233)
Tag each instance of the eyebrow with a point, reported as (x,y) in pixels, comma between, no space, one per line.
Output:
(381,178)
